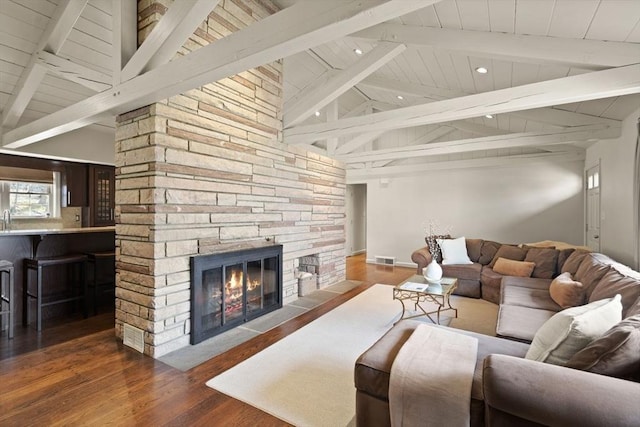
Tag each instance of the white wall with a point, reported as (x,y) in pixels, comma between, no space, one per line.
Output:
(513,204)
(616,158)
(86,144)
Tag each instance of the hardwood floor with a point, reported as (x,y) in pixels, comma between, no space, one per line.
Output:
(93,379)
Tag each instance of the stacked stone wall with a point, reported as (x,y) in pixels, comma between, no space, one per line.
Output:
(207,171)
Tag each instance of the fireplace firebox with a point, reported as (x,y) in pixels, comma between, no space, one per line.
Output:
(230,288)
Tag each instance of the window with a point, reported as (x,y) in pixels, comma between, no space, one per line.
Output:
(593,180)
(30,198)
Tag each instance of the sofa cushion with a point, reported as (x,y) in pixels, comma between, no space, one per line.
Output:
(528,297)
(373,367)
(491,283)
(592,268)
(616,353)
(462,271)
(571,330)
(526,282)
(573,261)
(545,260)
(454,251)
(567,292)
(520,323)
(613,282)
(509,267)
(563,256)
(474,247)
(509,252)
(634,309)
(488,251)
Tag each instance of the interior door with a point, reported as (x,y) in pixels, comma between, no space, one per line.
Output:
(592,237)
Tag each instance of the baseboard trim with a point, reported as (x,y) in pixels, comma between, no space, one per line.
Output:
(361,251)
(407,264)
(398,263)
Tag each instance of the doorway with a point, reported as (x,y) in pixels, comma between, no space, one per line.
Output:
(592,217)
(356,219)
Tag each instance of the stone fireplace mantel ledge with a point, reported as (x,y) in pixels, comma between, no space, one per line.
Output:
(238,246)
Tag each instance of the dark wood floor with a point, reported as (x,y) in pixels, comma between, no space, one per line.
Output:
(80,374)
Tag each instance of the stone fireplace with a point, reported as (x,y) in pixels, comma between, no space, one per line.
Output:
(206,172)
(230,288)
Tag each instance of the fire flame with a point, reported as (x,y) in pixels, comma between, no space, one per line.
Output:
(235,282)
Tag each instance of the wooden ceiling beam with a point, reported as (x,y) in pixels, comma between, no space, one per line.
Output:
(552,116)
(292,30)
(476,128)
(67,69)
(559,117)
(168,36)
(359,173)
(583,87)
(357,142)
(513,140)
(582,53)
(60,24)
(125,35)
(317,97)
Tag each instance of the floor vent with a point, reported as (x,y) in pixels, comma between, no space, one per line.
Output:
(133,337)
(386,260)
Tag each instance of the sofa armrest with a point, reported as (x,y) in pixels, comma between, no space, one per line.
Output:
(516,389)
(422,257)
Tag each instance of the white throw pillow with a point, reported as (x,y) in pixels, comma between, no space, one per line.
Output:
(454,251)
(571,330)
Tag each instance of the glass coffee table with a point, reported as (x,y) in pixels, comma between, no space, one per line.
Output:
(416,290)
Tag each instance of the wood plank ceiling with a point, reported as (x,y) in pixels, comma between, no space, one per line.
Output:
(426,56)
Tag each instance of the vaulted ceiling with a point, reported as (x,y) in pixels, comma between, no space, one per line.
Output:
(378,84)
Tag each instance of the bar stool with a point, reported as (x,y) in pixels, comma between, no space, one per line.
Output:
(7,296)
(105,282)
(37,264)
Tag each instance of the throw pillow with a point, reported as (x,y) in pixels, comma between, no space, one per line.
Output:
(439,250)
(510,252)
(616,353)
(454,251)
(509,267)
(569,331)
(545,260)
(567,292)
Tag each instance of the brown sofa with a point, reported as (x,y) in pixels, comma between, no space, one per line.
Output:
(478,280)
(510,390)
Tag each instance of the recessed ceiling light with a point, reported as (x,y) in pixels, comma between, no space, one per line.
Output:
(317,113)
(400,97)
(482,70)
(357,51)
(489,116)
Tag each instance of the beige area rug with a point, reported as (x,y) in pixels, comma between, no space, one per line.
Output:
(475,315)
(306,378)
(193,355)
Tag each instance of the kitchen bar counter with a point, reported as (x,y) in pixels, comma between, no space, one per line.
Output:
(18,245)
(47,231)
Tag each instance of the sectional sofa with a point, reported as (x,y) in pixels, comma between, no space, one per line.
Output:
(598,385)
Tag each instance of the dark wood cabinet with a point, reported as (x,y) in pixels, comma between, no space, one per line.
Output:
(101,195)
(76,193)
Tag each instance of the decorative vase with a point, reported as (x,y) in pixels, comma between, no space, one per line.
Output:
(432,272)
